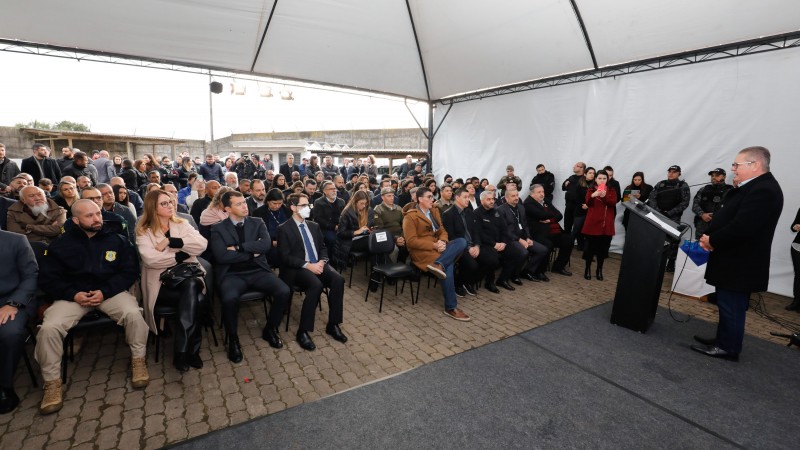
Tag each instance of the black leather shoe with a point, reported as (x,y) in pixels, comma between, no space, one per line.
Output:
(492,288)
(234,349)
(470,290)
(715,352)
(460,292)
(564,272)
(541,277)
(794,306)
(531,277)
(273,336)
(517,281)
(705,341)
(8,400)
(195,361)
(180,362)
(506,285)
(599,275)
(305,341)
(336,332)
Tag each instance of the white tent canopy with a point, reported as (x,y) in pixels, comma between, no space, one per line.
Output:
(695,116)
(418,49)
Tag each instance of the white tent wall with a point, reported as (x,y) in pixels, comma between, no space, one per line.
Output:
(696,116)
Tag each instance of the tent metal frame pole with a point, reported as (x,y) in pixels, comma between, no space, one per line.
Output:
(263,36)
(743,48)
(585,33)
(431,135)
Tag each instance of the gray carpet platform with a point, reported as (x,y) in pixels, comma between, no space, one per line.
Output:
(576,383)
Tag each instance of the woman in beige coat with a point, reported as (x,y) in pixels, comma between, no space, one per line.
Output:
(164,241)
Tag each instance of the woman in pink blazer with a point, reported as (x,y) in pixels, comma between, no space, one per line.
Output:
(164,241)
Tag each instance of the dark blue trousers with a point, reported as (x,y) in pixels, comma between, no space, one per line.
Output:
(732,310)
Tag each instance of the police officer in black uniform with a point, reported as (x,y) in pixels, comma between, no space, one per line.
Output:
(671,197)
(495,241)
(708,200)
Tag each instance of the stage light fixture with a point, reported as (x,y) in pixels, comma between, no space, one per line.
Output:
(264,90)
(286,94)
(238,88)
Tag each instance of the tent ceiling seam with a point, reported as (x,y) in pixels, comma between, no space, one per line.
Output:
(733,50)
(585,33)
(419,51)
(263,36)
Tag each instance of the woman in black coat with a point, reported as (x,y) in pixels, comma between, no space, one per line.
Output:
(355,224)
(585,183)
(637,189)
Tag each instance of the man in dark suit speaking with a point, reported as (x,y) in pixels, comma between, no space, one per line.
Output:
(740,240)
(305,264)
(240,244)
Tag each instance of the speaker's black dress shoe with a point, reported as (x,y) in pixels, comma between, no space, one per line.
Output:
(506,285)
(705,341)
(794,306)
(336,332)
(715,352)
(305,341)
(599,275)
(8,400)
(564,272)
(530,277)
(541,277)
(271,335)
(492,288)
(195,360)
(517,281)
(234,349)
(180,362)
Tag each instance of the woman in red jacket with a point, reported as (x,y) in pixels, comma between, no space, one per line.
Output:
(599,224)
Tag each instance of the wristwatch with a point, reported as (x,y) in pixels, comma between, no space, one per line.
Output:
(16,305)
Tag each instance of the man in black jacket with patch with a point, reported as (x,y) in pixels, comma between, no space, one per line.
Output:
(88,267)
(519,236)
(494,242)
(570,188)
(739,238)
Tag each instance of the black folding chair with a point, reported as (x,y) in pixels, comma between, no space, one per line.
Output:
(381,245)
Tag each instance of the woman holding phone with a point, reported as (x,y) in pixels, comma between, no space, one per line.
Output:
(598,227)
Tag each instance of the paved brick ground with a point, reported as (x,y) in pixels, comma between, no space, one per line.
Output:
(103,411)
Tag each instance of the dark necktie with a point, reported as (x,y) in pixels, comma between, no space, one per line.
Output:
(312,258)
(466,228)
(240,232)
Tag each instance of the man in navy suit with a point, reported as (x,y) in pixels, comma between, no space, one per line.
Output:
(18,277)
(40,166)
(739,238)
(240,244)
(305,264)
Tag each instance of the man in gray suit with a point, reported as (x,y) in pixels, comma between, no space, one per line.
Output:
(105,168)
(18,276)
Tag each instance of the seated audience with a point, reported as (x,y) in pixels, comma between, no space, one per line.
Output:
(67,195)
(134,198)
(494,242)
(517,230)
(202,203)
(258,196)
(355,224)
(445,201)
(109,204)
(121,197)
(87,268)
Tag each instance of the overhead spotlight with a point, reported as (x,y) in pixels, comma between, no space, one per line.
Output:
(238,88)
(264,90)
(216,87)
(286,94)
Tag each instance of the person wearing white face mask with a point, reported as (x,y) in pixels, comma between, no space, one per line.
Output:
(305,264)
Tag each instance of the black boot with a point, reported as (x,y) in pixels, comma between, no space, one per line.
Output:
(587,274)
(794,306)
(599,272)
(234,349)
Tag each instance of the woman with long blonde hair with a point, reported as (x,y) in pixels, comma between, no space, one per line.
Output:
(164,240)
(355,224)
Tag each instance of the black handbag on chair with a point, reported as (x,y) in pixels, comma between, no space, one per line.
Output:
(179,273)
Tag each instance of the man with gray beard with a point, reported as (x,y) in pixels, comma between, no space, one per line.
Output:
(36,215)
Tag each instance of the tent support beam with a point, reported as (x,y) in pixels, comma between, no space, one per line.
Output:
(585,33)
(429,165)
(419,52)
(263,36)
(750,47)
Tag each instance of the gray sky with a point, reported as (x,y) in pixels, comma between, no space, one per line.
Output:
(151,102)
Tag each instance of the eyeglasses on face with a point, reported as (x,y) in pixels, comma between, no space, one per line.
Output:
(165,204)
(736,165)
